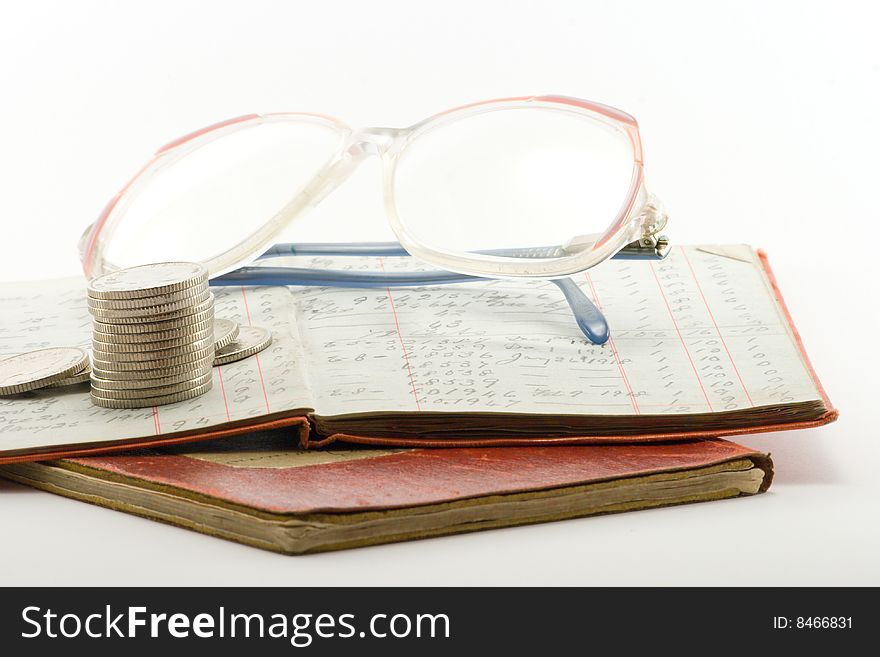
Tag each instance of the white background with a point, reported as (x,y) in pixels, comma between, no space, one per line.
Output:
(760,125)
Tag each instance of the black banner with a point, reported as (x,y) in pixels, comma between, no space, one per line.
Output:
(431,621)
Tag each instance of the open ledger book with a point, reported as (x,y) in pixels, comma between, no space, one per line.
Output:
(701,346)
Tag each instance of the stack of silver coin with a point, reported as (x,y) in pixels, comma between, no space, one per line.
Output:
(153,337)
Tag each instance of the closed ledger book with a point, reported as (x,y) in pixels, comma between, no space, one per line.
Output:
(262,490)
(702,346)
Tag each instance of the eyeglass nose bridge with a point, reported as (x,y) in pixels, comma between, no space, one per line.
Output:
(358,146)
(372,141)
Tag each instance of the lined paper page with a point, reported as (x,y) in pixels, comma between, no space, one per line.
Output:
(697,332)
(53,313)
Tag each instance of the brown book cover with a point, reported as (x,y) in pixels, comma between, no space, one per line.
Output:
(263,491)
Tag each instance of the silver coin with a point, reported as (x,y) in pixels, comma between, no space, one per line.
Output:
(250,340)
(150,331)
(157,391)
(205,314)
(148,280)
(40,368)
(144,402)
(187,370)
(181,296)
(153,306)
(107,342)
(141,383)
(225,331)
(204,310)
(113,355)
(82,376)
(155,363)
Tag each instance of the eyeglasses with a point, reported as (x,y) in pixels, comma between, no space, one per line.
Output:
(530,187)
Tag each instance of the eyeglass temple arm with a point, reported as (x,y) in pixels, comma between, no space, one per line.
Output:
(589,319)
(632,251)
(337,277)
(380,249)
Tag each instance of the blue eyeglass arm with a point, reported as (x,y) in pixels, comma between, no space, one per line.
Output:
(387,249)
(590,319)
(392,249)
(337,277)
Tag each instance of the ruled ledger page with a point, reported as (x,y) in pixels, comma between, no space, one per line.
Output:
(700,331)
(54,313)
(695,333)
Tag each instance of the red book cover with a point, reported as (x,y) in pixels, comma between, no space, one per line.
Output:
(261,490)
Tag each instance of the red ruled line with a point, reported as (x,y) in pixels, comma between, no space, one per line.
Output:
(680,336)
(247,311)
(156,424)
(629,390)
(223,391)
(715,324)
(412,382)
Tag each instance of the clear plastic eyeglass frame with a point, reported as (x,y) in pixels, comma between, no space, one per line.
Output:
(634,232)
